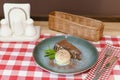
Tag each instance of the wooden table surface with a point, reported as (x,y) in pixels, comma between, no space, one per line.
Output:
(110,28)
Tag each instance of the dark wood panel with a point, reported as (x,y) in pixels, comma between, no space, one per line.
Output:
(90,8)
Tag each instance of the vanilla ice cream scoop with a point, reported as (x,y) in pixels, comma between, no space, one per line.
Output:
(62,57)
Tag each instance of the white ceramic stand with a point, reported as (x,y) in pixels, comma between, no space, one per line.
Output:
(17,25)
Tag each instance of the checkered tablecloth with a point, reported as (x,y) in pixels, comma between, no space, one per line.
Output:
(16,61)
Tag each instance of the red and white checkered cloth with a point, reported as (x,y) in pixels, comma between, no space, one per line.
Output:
(115,53)
(16,61)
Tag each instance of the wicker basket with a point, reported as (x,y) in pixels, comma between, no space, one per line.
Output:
(80,26)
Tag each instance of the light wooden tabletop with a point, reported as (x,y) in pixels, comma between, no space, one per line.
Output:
(110,28)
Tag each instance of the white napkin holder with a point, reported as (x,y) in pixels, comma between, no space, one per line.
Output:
(17,25)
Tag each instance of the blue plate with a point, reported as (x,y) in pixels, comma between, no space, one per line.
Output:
(88,58)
